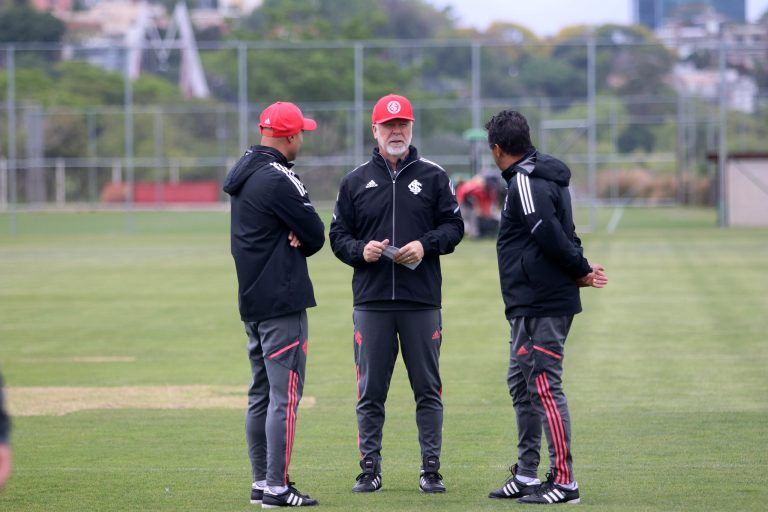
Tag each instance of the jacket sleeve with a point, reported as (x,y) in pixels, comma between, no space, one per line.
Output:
(344,244)
(449,228)
(291,203)
(537,199)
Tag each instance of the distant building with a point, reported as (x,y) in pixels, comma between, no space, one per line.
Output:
(740,91)
(654,13)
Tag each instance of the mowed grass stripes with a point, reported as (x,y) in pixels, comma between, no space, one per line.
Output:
(666,370)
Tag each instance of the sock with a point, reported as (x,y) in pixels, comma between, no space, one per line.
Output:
(277,489)
(527,480)
(571,486)
(259,484)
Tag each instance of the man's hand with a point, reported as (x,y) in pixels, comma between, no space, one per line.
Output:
(5,463)
(293,239)
(373,249)
(596,279)
(410,253)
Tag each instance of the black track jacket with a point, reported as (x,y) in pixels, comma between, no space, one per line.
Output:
(540,256)
(269,201)
(419,203)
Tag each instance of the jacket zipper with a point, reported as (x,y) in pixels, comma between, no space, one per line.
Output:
(394,176)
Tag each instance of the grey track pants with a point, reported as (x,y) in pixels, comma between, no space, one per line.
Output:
(376,349)
(535,384)
(277,349)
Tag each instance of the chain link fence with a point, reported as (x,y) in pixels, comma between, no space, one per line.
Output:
(628,135)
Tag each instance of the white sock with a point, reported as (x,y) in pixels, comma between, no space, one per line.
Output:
(277,489)
(527,480)
(571,486)
(259,484)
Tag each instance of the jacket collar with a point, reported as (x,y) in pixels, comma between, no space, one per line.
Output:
(525,165)
(413,154)
(277,155)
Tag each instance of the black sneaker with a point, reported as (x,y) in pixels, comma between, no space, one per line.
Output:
(550,493)
(370,479)
(256,496)
(429,479)
(290,498)
(514,488)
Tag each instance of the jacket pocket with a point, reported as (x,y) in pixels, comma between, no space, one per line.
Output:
(286,355)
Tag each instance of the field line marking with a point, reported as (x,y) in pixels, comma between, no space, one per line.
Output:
(618,212)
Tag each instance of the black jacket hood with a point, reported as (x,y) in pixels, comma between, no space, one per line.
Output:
(253,159)
(540,165)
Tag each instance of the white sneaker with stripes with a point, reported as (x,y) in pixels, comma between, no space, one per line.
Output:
(514,488)
(290,498)
(550,493)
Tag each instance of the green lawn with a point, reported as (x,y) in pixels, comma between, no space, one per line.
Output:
(666,371)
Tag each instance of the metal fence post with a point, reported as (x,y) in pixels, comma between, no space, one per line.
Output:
(722,135)
(592,130)
(242,95)
(358,110)
(61,192)
(10,101)
(476,84)
(128,113)
(3,183)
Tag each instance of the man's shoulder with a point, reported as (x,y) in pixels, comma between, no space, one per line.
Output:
(548,159)
(429,164)
(358,172)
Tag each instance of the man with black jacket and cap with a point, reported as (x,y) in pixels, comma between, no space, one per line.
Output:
(395,215)
(274,229)
(541,266)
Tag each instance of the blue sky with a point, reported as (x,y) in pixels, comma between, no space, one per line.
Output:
(546,17)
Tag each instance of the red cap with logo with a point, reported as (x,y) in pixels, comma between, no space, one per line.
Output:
(282,119)
(392,106)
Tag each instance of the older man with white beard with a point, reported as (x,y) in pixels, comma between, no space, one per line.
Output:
(395,215)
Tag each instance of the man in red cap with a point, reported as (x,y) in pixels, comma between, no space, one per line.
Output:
(395,215)
(274,228)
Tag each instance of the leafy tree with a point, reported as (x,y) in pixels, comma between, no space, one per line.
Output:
(23,24)
(636,137)
(545,76)
(316,20)
(629,59)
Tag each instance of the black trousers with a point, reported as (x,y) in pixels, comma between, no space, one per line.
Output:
(377,333)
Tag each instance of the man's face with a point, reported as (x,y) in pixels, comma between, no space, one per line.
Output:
(393,137)
(294,145)
(496,153)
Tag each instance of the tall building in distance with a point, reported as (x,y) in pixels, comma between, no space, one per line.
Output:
(653,13)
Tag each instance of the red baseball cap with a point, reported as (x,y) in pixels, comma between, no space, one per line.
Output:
(283,119)
(392,106)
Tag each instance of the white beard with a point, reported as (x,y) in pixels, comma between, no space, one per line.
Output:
(397,150)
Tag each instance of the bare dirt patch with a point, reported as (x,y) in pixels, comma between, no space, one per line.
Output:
(80,359)
(58,401)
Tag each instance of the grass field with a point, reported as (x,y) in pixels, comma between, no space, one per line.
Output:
(666,371)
